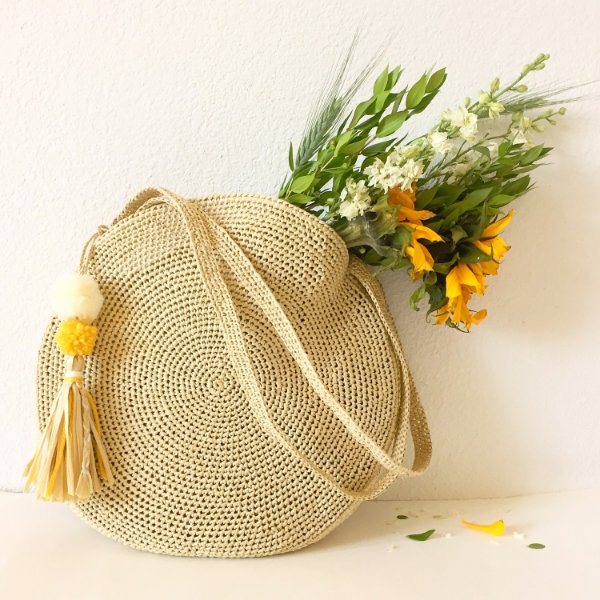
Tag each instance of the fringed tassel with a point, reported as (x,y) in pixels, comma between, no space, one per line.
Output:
(71,460)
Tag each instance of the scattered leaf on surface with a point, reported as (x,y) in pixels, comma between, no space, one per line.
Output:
(496,528)
(536,546)
(401,517)
(421,537)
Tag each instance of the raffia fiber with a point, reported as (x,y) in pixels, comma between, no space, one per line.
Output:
(249,380)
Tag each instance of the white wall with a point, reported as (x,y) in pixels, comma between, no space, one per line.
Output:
(100,99)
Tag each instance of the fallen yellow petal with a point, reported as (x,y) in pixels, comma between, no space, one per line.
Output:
(496,528)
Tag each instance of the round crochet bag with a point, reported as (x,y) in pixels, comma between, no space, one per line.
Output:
(248,378)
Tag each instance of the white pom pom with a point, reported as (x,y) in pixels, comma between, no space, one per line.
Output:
(76,296)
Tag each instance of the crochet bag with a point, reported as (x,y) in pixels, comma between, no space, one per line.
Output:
(249,381)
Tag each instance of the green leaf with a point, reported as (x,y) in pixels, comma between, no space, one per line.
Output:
(393,77)
(424,197)
(360,110)
(476,197)
(343,140)
(451,192)
(402,238)
(368,124)
(436,80)
(381,82)
(301,184)
(531,155)
(444,267)
(291,157)
(402,517)
(354,147)
(516,187)
(421,537)
(536,546)
(437,299)
(501,200)
(391,124)
(416,297)
(503,148)
(482,150)
(472,254)
(380,100)
(425,102)
(299,198)
(416,92)
(375,149)
(458,233)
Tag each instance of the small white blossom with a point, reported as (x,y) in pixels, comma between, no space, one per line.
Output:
(520,129)
(397,171)
(463,119)
(412,170)
(373,172)
(495,109)
(357,200)
(484,98)
(438,140)
(493,148)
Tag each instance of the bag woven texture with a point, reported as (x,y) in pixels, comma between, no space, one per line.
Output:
(249,379)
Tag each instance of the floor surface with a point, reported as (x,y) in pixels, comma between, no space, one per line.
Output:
(47,552)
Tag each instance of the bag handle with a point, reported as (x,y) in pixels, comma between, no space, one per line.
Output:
(205,235)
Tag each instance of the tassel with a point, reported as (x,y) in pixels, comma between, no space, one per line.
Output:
(71,459)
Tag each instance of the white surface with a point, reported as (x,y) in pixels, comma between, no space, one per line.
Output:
(47,552)
(100,99)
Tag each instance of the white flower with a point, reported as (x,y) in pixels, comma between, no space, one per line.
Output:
(493,148)
(373,172)
(484,98)
(438,140)
(520,129)
(495,109)
(397,171)
(412,170)
(357,200)
(463,119)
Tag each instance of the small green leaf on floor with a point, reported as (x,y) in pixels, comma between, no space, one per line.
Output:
(401,517)
(421,537)
(536,546)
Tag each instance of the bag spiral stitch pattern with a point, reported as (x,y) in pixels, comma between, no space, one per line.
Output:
(249,379)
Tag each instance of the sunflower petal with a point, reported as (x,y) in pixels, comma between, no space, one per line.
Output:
(495,228)
(495,528)
(419,256)
(479,316)
(408,214)
(420,232)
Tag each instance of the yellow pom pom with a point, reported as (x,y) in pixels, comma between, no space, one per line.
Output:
(75,338)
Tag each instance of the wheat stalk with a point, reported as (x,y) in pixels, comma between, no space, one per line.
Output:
(328,111)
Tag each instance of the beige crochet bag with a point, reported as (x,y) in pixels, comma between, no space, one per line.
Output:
(250,384)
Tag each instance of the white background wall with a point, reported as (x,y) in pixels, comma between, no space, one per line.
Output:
(100,99)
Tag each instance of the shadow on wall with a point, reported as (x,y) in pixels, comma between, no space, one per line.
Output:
(497,399)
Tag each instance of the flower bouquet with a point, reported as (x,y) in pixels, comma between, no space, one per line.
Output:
(435,204)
